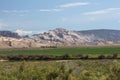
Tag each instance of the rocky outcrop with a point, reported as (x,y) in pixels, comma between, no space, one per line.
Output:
(74,38)
(65,36)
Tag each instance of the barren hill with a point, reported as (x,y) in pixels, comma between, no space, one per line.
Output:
(61,37)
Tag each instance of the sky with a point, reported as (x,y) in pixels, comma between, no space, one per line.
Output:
(34,16)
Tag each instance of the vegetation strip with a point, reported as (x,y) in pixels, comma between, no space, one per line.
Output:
(62,70)
(59,51)
(57,57)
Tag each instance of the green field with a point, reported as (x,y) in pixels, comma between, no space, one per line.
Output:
(58,51)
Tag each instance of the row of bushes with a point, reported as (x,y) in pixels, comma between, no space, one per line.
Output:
(48,46)
(57,57)
(26,57)
(113,56)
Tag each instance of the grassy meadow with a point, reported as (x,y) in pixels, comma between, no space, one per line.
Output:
(82,68)
(61,70)
(59,51)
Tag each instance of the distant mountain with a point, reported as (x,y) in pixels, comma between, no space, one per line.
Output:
(104,34)
(80,37)
(61,37)
(9,34)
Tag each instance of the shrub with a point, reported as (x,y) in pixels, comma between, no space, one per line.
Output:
(29,57)
(48,46)
(101,56)
(78,55)
(109,56)
(3,57)
(65,56)
(84,57)
(114,56)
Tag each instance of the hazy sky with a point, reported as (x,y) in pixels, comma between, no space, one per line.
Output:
(42,15)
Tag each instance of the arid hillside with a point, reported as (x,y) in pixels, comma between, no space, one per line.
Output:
(60,37)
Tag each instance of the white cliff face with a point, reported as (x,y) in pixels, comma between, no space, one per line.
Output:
(62,35)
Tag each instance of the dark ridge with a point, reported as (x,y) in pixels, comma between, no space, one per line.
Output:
(106,34)
(9,34)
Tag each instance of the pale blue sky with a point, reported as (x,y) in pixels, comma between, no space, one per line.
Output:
(42,15)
